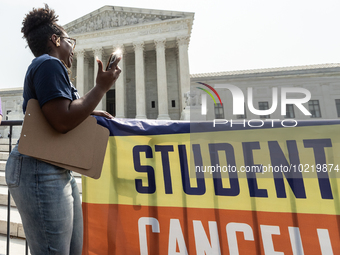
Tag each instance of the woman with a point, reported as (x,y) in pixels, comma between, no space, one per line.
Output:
(47,196)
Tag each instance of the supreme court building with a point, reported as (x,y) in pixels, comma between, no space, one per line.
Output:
(155,66)
(155,82)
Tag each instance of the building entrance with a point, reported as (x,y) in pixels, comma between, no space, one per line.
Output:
(111,102)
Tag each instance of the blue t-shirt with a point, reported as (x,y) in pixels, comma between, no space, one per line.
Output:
(47,79)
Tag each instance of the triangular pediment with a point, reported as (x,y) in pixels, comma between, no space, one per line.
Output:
(109,17)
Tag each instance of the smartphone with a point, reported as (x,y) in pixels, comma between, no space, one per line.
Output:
(112,59)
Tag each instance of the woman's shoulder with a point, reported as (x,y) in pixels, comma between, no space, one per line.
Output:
(44,59)
(44,63)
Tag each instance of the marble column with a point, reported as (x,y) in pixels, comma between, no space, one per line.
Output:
(162,86)
(98,52)
(87,84)
(80,72)
(184,72)
(329,110)
(120,86)
(140,80)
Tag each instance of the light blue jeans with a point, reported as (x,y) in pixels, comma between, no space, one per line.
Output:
(48,201)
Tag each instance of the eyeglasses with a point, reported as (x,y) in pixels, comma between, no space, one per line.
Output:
(70,41)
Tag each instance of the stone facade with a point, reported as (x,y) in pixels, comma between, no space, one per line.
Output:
(11,105)
(155,67)
(323,82)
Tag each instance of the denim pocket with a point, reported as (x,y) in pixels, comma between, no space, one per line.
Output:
(13,170)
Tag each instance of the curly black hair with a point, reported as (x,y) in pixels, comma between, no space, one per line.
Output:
(38,26)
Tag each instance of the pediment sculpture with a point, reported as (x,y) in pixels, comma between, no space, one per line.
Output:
(111,19)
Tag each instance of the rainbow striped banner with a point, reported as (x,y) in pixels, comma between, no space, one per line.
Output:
(149,201)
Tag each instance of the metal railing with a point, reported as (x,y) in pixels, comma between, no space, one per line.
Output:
(10,123)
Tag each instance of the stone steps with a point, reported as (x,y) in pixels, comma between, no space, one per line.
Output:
(16,229)
(6,141)
(2,165)
(4,156)
(16,225)
(17,245)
